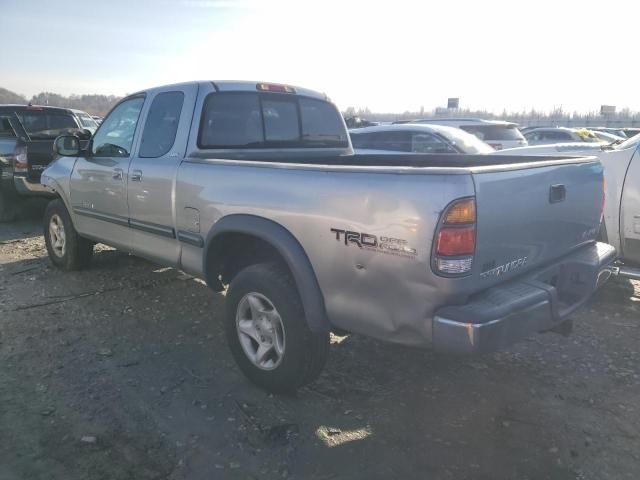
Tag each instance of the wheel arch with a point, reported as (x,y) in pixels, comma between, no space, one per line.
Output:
(238,240)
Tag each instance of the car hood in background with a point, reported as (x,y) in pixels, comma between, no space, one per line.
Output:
(553,149)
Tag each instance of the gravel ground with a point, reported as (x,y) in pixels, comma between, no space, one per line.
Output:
(122,372)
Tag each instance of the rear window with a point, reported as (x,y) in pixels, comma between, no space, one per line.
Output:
(42,124)
(254,120)
(494,132)
(5,128)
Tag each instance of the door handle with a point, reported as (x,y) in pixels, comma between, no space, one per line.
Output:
(136,176)
(117,174)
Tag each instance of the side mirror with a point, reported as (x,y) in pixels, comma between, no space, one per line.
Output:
(86,134)
(67,146)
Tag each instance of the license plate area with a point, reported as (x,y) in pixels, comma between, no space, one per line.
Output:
(570,285)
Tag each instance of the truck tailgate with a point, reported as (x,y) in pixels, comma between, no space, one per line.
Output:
(531,216)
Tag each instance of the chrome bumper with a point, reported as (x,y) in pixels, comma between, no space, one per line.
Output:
(541,300)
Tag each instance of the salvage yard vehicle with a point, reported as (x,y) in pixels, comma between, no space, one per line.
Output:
(551,135)
(416,138)
(27,134)
(497,133)
(254,187)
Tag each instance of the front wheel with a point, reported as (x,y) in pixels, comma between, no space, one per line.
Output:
(66,248)
(267,331)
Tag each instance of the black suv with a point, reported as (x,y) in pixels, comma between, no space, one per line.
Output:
(27,133)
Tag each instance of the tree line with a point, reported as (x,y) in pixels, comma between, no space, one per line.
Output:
(557,117)
(92,104)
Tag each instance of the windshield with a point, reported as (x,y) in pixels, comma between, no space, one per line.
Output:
(466,142)
(252,120)
(489,133)
(42,124)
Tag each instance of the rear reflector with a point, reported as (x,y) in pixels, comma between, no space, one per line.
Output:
(454,266)
(275,87)
(456,241)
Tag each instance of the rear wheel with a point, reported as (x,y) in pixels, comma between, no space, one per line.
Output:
(267,331)
(66,248)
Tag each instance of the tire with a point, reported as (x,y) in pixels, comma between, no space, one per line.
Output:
(8,207)
(66,248)
(269,290)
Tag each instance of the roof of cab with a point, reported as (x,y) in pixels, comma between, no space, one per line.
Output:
(241,86)
(19,107)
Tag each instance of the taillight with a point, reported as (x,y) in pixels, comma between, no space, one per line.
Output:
(455,240)
(21,165)
(496,146)
(275,87)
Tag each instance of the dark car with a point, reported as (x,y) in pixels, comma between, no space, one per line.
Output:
(26,148)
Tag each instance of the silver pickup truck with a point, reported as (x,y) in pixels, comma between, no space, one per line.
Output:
(254,187)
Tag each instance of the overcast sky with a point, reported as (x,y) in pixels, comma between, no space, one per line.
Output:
(388,55)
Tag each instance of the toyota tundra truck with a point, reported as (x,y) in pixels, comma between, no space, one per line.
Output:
(254,187)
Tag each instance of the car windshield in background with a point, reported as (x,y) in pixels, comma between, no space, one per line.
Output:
(86,121)
(466,142)
(252,120)
(40,124)
(494,132)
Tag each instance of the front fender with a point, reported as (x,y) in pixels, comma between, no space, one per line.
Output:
(57,176)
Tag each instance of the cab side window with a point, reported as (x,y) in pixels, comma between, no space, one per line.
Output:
(160,129)
(114,138)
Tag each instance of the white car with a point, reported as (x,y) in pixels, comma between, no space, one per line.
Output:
(496,133)
(551,135)
(416,138)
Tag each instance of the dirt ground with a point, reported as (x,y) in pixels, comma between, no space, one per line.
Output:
(122,372)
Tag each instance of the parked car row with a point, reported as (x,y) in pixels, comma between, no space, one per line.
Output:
(495,133)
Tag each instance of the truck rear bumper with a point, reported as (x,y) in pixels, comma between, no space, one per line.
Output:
(541,300)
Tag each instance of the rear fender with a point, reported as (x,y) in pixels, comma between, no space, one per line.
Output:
(288,248)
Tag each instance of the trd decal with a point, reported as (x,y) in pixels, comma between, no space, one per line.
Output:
(367,241)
